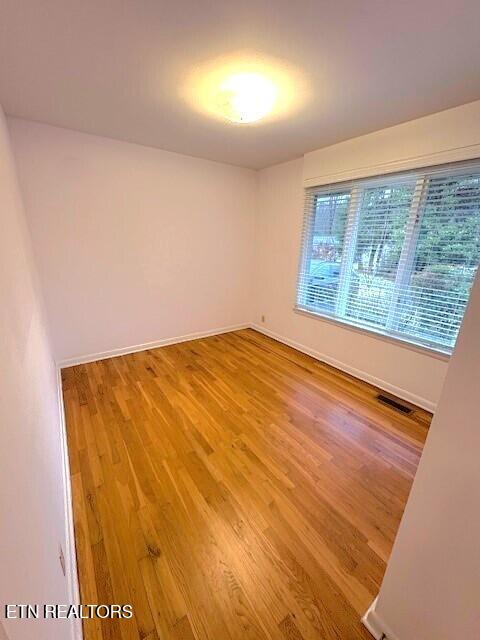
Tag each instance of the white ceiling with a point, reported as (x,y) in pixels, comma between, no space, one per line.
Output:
(116,67)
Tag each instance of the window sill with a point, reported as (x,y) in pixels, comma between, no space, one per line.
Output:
(378,334)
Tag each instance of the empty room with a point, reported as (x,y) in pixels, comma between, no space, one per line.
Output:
(240,320)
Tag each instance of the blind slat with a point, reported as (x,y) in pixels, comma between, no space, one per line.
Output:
(396,253)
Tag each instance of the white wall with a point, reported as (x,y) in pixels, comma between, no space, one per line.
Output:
(409,374)
(447,136)
(432,585)
(134,244)
(32,517)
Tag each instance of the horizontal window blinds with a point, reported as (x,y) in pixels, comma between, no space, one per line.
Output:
(396,254)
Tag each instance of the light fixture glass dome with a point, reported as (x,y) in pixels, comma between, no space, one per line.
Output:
(245,87)
(246,97)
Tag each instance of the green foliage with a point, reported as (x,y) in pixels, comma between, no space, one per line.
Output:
(446,253)
(427,309)
(381,232)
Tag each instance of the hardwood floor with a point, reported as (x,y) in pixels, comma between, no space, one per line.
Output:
(233,488)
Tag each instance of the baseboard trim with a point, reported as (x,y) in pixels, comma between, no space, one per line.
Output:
(375,625)
(357,373)
(73,587)
(123,351)
(370,621)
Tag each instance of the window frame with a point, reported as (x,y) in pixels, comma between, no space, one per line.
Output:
(355,189)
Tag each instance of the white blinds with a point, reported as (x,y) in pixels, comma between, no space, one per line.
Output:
(396,254)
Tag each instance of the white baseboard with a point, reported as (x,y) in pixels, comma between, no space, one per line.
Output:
(357,373)
(370,621)
(73,588)
(103,355)
(375,625)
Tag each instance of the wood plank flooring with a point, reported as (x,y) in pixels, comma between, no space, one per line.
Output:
(232,488)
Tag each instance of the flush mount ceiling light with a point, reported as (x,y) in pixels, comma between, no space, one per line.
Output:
(247,97)
(245,88)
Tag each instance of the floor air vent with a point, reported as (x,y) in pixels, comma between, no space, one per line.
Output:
(394,404)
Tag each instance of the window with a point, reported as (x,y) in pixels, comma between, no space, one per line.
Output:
(396,254)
